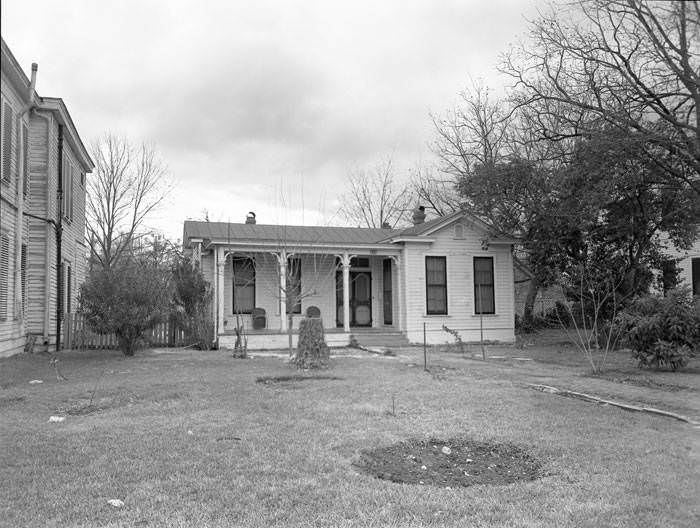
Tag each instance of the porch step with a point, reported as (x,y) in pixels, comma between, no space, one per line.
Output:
(382,339)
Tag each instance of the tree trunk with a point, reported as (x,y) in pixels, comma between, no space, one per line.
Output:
(532,291)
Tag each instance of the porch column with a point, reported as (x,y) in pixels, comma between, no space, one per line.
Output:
(346,292)
(399,292)
(220,267)
(282,261)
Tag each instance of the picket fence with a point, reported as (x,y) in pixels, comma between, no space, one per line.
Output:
(77,335)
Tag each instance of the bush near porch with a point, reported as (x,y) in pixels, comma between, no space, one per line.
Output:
(188,438)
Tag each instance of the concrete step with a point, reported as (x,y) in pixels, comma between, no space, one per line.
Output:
(388,339)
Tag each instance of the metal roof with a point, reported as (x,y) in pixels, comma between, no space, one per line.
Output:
(223,231)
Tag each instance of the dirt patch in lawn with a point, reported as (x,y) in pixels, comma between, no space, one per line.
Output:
(450,463)
(271,380)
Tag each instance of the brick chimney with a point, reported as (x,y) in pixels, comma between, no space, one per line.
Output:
(250,218)
(419,215)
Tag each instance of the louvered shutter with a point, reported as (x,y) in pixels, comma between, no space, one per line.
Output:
(4,275)
(6,141)
(25,157)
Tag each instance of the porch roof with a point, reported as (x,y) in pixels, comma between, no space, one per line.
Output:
(223,233)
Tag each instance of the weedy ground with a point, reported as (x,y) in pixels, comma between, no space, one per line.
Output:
(189,438)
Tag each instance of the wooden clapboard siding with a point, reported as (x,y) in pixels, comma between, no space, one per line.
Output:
(461,315)
(12,101)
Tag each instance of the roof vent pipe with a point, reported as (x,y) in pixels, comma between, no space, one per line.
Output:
(250,219)
(419,215)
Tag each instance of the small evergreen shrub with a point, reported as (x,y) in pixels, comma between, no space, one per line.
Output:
(662,331)
(312,350)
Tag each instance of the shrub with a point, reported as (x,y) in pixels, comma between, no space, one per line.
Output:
(662,331)
(126,301)
(312,350)
(192,298)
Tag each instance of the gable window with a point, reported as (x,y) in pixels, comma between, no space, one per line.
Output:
(459,231)
(696,276)
(436,285)
(484,301)
(243,285)
(293,286)
(6,143)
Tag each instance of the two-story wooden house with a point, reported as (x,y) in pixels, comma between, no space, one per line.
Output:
(42,210)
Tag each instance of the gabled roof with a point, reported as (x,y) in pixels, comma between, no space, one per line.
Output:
(223,232)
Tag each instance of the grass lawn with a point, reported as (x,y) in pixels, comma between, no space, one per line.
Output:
(188,438)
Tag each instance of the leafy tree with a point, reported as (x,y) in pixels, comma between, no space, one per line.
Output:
(126,300)
(192,298)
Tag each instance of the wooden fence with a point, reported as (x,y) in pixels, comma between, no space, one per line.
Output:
(77,335)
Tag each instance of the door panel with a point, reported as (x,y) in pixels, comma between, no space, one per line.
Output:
(360,298)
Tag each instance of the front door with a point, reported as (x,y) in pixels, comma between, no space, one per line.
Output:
(360,298)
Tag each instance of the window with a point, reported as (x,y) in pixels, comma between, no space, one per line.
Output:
(6,142)
(459,231)
(484,302)
(243,285)
(436,285)
(4,274)
(696,276)
(25,159)
(293,285)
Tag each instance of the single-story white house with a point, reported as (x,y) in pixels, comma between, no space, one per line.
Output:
(453,271)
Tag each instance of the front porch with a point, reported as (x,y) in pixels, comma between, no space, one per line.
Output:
(265,292)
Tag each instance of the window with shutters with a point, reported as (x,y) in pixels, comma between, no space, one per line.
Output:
(484,299)
(4,274)
(436,285)
(293,292)
(6,142)
(25,160)
(243,285)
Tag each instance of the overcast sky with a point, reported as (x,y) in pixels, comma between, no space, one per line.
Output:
(257,105)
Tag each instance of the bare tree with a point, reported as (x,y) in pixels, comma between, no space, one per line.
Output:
(127,185)
(375,198)
(631,65)
(435,190)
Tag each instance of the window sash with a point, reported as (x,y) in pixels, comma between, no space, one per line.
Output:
(484,291)
(436,285)
(243,285)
